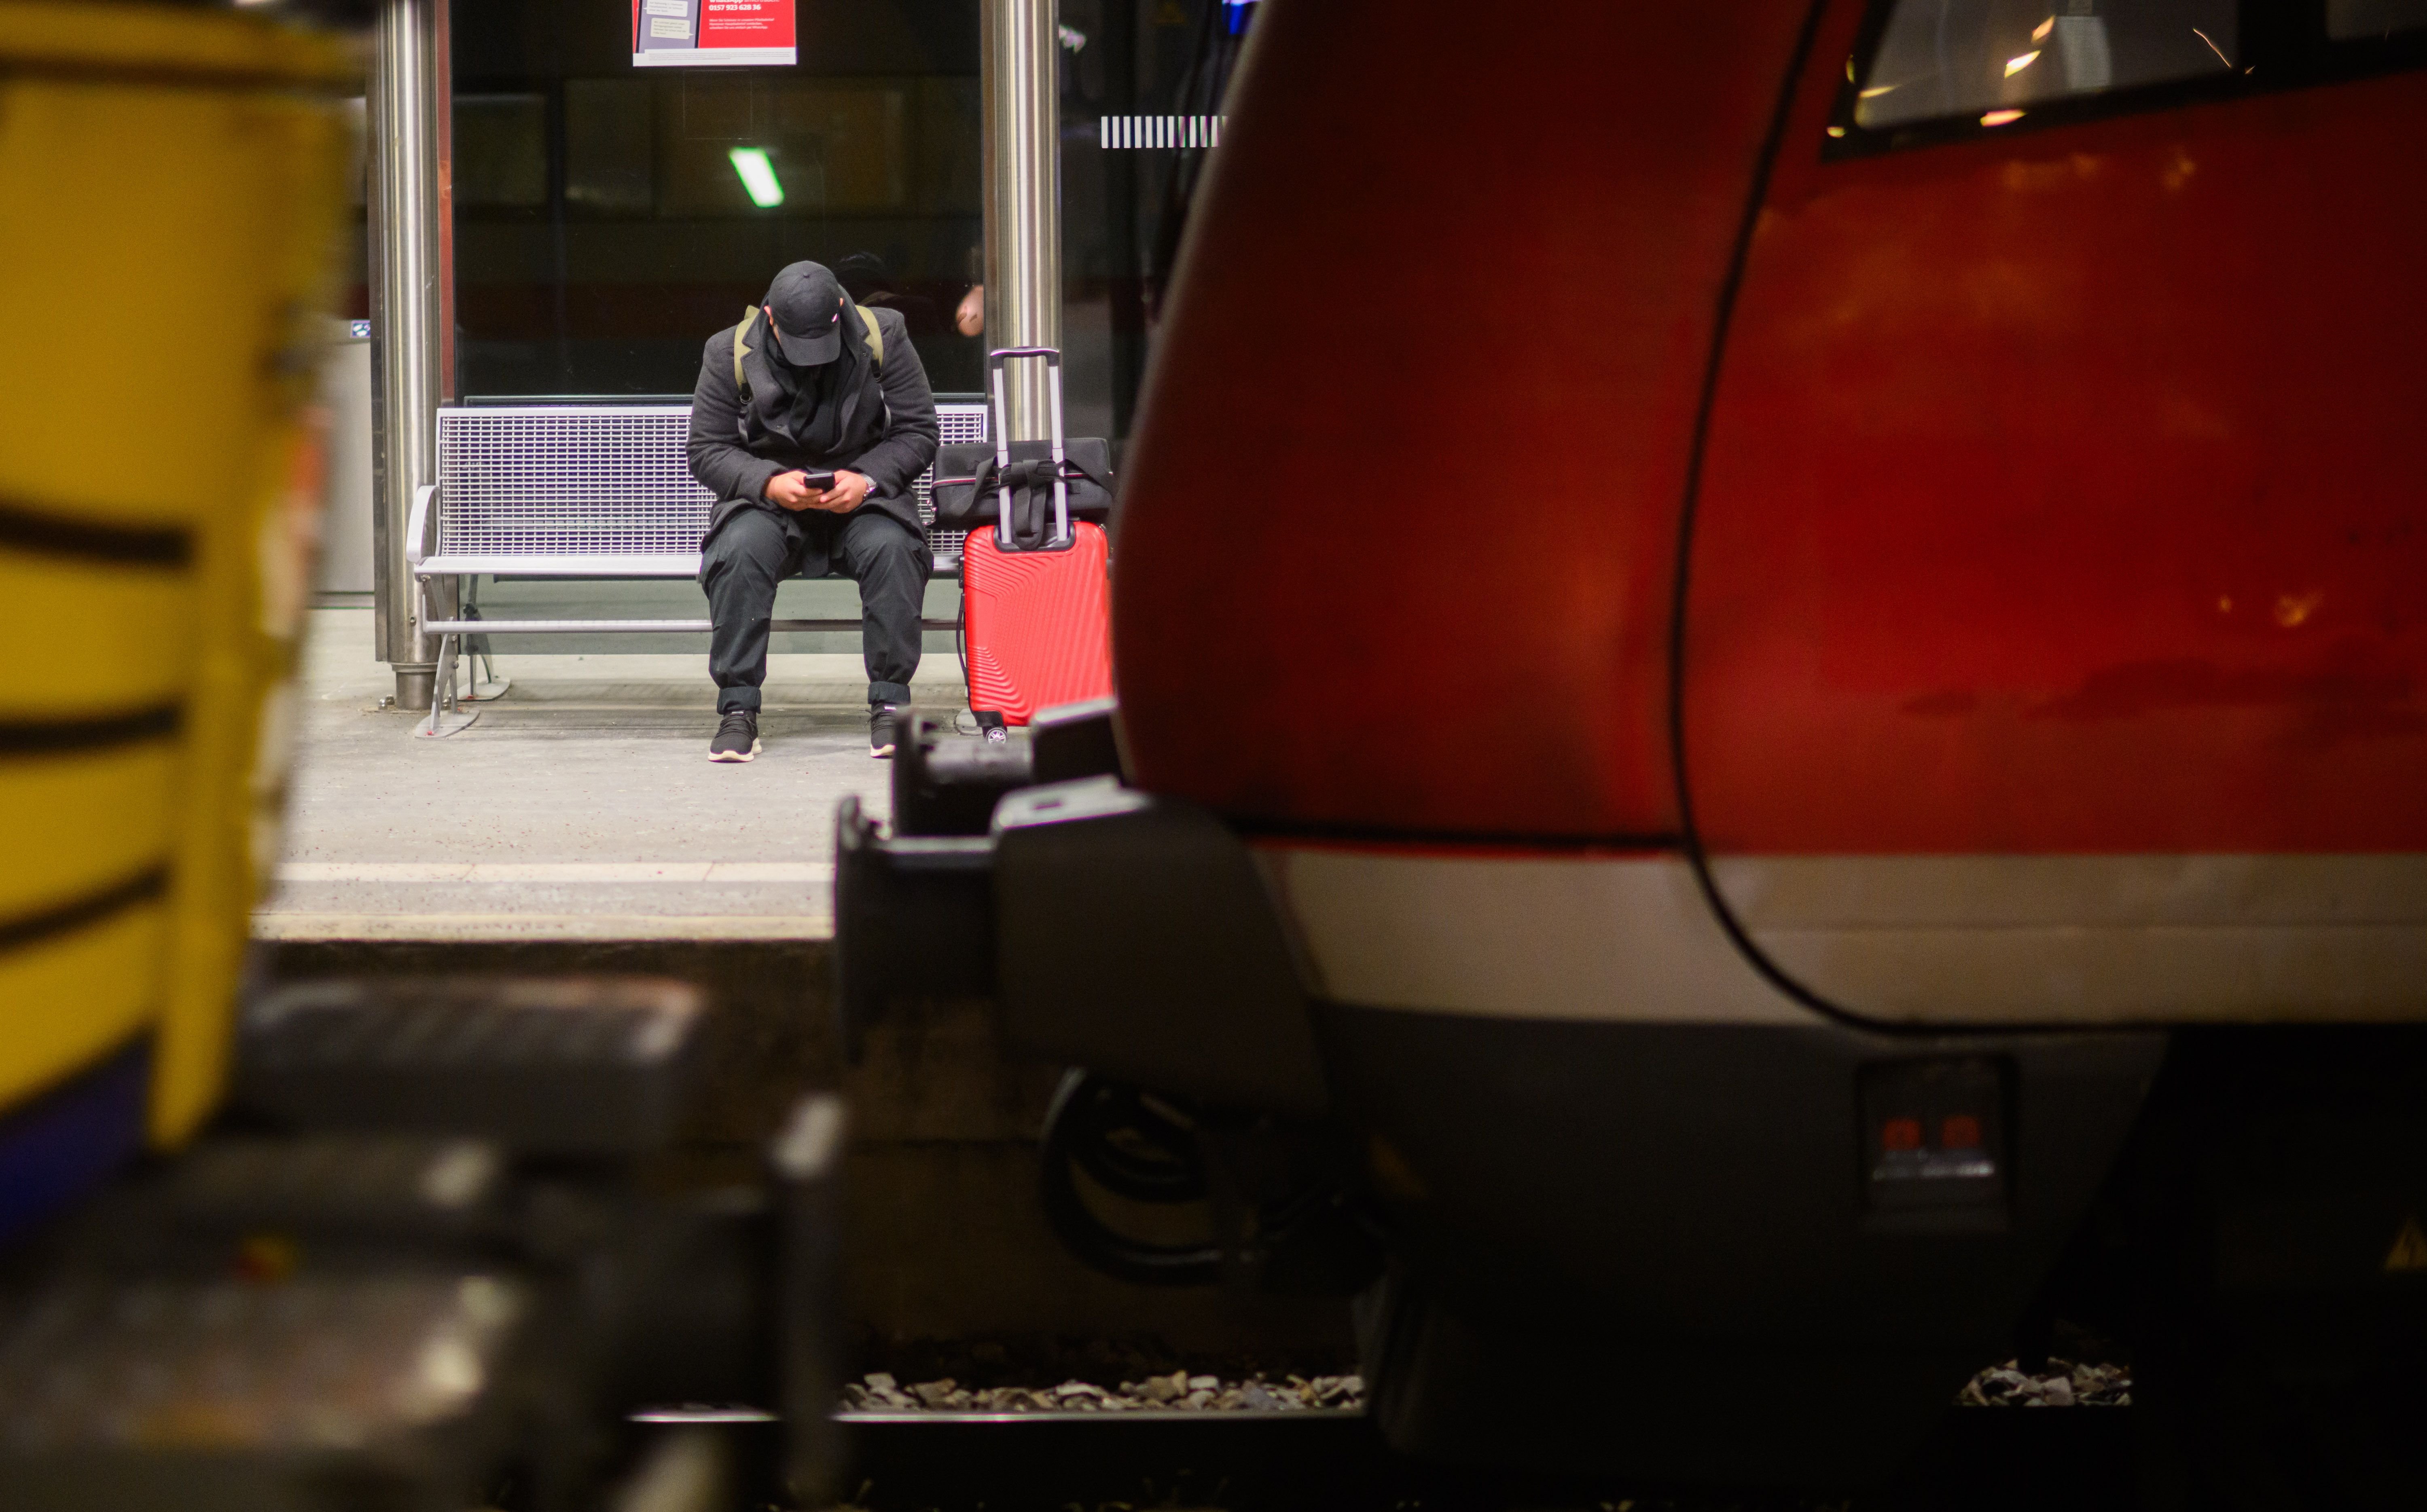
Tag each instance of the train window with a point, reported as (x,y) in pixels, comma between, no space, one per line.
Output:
(1983,57)
(1938,71)
(2352,20)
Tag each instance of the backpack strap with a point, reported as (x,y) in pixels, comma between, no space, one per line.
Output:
(741,384)
(876,356)
(875,335)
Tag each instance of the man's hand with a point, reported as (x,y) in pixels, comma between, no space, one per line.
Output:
(791,491)
(850,490)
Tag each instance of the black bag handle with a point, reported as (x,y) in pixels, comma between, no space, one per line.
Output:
(1026,526)
(1021,495)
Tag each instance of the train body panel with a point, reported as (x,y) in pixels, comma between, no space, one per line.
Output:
(2054,647)
(1831,729)
(2051,636)
(2108,537)
(1412,519)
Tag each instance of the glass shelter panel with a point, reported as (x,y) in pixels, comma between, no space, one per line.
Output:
(608,221)
(1143,84)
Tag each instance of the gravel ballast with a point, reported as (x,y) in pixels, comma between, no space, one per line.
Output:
(879,1392)
(2064,1384)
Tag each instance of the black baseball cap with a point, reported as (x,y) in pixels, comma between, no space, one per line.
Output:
(808,304)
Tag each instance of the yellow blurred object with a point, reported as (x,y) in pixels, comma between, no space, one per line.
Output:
(172,183)
(104,974)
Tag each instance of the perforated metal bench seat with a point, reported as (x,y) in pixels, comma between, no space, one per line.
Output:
(587,490)
(592,490)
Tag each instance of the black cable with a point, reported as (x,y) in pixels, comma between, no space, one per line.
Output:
(1690,832)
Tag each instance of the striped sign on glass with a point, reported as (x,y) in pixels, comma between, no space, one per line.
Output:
(1116,132)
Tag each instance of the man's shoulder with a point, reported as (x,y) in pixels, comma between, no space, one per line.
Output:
(721,344)
(890,322)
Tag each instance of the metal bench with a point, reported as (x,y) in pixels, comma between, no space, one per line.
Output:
(582,491)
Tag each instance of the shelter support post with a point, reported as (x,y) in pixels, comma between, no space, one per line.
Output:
(1023,196)
(411,298)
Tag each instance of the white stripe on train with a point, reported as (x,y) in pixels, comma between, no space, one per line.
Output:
(1954,940)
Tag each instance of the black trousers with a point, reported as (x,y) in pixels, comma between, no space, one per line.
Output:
(754,549)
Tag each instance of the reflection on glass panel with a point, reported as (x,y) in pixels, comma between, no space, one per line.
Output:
(1961,57)
(861,134)
(2350,20)
(947,175)
(830,145)
(607,144)
(355,299)
(501,150)
(1125,193)
(358,161)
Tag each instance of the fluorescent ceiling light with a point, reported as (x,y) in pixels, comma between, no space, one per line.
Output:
(758,176)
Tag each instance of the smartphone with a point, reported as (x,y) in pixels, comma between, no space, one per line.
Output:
(823,482)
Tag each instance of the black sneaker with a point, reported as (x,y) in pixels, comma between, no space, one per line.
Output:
(884,728)
(737,737)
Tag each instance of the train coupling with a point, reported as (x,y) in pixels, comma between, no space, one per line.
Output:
(1131,934)
(1117,929)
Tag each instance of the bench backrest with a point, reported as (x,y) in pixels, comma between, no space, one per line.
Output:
(572,481)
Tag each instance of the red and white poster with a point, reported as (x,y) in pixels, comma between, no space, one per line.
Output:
(712,33)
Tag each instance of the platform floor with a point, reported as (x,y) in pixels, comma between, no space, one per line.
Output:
(582,805)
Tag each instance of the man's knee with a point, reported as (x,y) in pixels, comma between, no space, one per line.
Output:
(885,550)
(751,544)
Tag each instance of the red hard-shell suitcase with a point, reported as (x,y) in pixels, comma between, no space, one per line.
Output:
(1039,624)
(1037,621)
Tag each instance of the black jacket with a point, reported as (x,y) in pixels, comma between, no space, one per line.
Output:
(738,476)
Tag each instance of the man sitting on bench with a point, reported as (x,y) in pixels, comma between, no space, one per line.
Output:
(810,423)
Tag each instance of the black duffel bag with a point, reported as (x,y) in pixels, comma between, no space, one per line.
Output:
(970,486)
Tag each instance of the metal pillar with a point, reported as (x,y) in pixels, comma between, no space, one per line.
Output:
(409,300)
(1023,204)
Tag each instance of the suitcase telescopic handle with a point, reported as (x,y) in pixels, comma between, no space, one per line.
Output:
(1000,421)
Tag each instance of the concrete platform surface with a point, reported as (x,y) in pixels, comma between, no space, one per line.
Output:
(581,806)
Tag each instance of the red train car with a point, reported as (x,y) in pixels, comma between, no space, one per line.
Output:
(1774,656)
